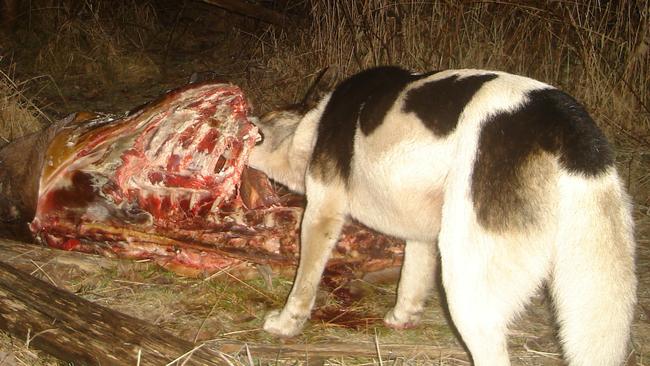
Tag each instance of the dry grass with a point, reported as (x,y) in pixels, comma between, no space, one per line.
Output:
(18,113)
(595,50)
(14,352)
(95,41)
(220,309)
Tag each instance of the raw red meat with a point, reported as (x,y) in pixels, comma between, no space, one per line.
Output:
(168,182)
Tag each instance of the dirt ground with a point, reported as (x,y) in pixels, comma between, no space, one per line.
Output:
(81,67)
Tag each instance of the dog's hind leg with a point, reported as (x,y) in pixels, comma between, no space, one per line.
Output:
(488,278)
(415,284)
(320,229)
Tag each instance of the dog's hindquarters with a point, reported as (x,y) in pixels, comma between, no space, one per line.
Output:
(593,281)
(534,197)
(584,249)
(488,276)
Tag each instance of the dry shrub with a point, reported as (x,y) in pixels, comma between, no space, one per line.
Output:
(18,114)
(100,40)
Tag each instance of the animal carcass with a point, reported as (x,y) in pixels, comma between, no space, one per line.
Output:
(168,182)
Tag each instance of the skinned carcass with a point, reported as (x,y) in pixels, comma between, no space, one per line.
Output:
(167,182)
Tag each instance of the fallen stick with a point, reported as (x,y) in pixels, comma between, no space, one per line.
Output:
(76,330)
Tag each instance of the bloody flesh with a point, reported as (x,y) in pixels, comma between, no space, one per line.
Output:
(168,182)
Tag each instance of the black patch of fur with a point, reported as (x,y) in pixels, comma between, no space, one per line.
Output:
(365,97)
(503,178)
(439,103)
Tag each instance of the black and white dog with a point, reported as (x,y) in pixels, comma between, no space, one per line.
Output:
(507,177)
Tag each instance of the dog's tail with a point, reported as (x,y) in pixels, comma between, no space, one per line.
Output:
(593,277)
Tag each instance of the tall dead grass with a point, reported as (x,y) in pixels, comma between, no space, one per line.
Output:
(19,115)
(596,50)
(99,40)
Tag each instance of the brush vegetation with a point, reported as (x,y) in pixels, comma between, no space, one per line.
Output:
(102,39)
(112,55)
(19,115)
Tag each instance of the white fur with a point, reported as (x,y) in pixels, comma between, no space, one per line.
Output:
(407,182)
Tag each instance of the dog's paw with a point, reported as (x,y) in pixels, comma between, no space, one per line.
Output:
(401,320)
(280,324)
